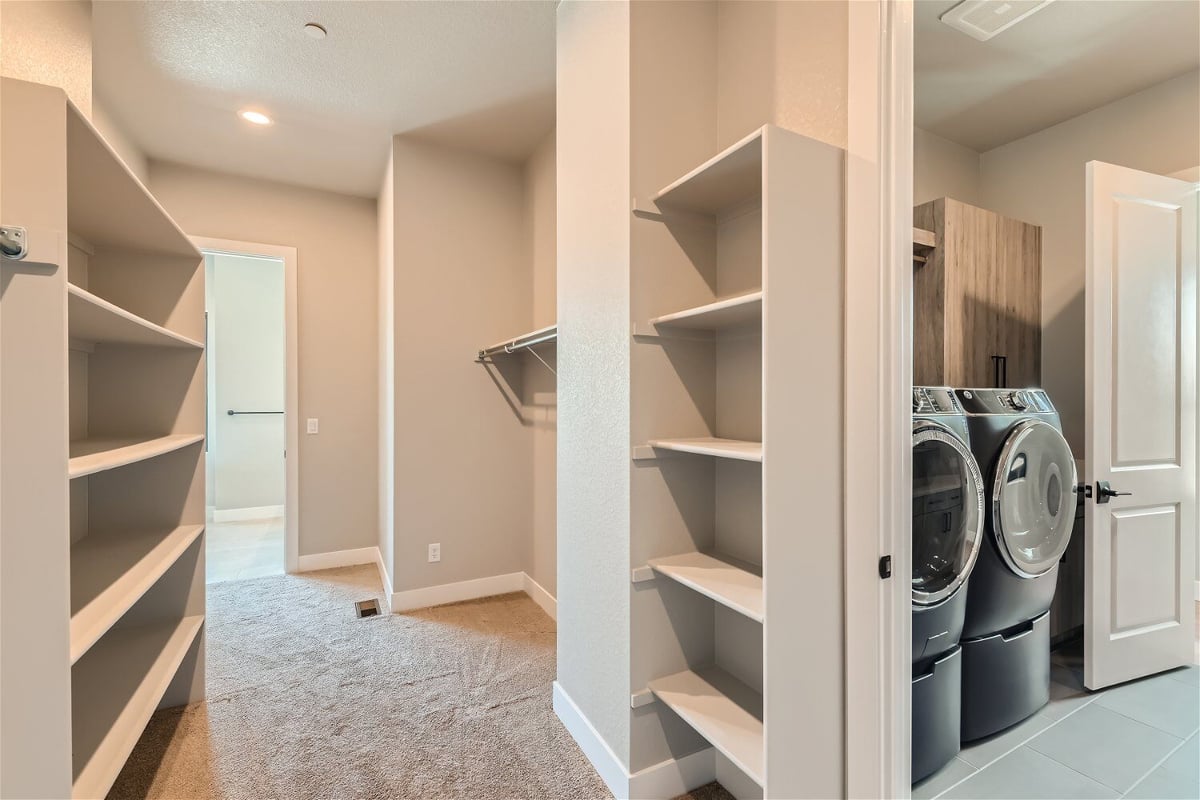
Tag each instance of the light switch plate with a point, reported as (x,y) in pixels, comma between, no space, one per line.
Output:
(313,425)
(435,552)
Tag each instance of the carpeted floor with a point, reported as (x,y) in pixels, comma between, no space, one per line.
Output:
(305,700)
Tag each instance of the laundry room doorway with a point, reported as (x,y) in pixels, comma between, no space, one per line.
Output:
(252,454)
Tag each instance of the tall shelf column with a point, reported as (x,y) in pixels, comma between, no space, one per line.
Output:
(113,428)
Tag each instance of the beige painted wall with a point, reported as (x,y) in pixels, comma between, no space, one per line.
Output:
(51,43)
(463,455)
(541,220)
(335,240)
(942,168)
(1040,179)
(114,133)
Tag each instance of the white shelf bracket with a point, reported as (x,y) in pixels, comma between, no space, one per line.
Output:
(643,698)
(641,575)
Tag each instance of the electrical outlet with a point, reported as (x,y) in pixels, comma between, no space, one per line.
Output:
(435,552)
(313,425)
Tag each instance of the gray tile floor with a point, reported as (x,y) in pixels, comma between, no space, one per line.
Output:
(240,550)
(1138,740)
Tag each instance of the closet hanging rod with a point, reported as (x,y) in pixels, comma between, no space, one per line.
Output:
(233,413)
(542,336)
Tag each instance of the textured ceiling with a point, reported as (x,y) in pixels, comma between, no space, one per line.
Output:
(1068,58)
(475,74)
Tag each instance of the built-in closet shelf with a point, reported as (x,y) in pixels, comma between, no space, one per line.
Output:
(726,181)
(722,709)
(89,456)
(110,573)
(727,312)
(707,446)
(731,583)
(93,320)
(522,342)
(923,242)
(107,206)
(115,690)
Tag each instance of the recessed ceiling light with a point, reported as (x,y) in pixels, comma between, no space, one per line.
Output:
(255,117)
(315,31)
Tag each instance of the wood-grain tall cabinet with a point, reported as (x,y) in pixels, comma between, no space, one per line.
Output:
(977,307)
(102,397)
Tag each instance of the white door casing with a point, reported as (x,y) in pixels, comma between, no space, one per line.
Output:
(1141,362)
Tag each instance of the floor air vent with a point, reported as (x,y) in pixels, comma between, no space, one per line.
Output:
(366,608)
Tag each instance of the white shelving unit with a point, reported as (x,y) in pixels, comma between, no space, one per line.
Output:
(732,584)
(723,710)
(729,536)
(104,338)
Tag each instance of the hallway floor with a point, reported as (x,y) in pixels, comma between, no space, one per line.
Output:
(1137,740)
(240,550)
(305,700)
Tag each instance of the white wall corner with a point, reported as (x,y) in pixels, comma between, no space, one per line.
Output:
(338,558)
(669,778)
(384,579)
(1198,590)
(539,595)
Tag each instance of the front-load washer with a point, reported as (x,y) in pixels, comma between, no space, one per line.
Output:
(947,529)
(1029,470)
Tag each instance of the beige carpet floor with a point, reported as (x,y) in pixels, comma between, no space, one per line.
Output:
(305,700)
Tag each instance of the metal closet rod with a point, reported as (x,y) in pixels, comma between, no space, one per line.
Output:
(233,413)
(522,343)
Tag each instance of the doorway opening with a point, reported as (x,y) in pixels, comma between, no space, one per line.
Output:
(251,454)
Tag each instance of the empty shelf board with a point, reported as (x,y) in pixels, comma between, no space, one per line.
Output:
(725,181)
(109,573)
(88,456)
(722,709)
(724,313)
(706,446)
(730,583)
(115,690)
(93,319)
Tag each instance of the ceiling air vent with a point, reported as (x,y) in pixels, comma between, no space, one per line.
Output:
(983,19)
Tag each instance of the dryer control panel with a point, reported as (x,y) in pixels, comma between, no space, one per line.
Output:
(935,400)
(1004,401)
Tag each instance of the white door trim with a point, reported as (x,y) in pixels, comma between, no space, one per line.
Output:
(878,390)
(291,532)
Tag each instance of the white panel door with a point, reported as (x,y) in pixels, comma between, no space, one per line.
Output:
(1141,423)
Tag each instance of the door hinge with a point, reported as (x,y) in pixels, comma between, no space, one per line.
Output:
(885,567)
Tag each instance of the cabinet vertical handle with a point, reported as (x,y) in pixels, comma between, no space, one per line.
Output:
(1000,368)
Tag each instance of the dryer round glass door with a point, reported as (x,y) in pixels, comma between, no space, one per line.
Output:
(947,513)
(1033,499)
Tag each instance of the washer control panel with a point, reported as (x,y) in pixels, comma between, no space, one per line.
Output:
(935,400)
(1004,401)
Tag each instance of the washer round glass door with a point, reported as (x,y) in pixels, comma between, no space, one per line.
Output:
(947,516)
(1033,499)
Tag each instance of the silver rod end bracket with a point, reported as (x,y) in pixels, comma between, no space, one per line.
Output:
(14,242)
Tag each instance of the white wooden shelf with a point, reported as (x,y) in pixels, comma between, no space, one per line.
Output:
(114,691)
(722,709)
(94,320)
(706,446)
(88,456)
(724,313)
(727,180)
(110,573)
(731,583)
(107,205)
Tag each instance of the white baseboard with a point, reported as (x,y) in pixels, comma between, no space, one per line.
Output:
(664,780)
(457,592)
(384,579)
(539,595)
(242,514)
(338,558)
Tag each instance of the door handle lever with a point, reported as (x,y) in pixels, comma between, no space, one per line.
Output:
(1104,491)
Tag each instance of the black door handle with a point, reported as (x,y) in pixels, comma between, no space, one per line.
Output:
(1105,491)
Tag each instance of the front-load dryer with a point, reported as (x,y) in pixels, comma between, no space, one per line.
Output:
(947,529)
(1030,478)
